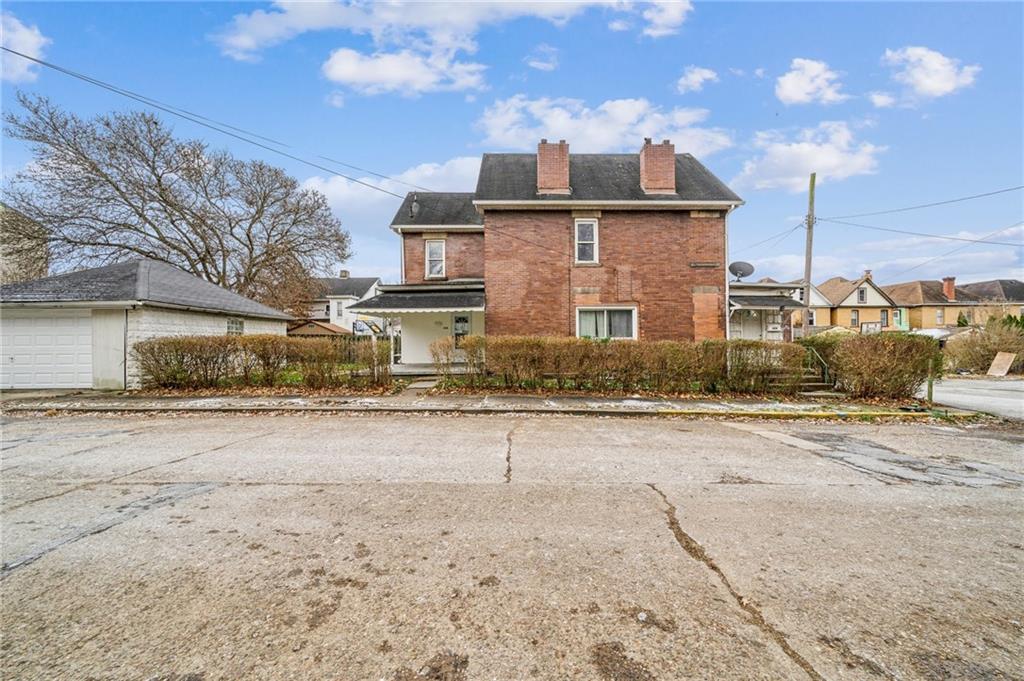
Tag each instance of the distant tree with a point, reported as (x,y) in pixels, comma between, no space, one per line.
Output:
(121,185)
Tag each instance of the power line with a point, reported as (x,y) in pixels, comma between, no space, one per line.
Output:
(924,234)
(783,234)
(957,249)
(926,205)
(222,128)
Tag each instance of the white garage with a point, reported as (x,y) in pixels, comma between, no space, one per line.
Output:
(76,330)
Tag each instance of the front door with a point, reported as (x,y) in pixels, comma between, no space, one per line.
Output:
(460,329)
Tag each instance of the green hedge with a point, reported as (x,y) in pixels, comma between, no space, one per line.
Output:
(529,362)
(261,360)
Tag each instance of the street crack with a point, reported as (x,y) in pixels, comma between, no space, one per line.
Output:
(508,454)
(698,553)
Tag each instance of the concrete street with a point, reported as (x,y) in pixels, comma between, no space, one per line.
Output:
(508,547)
(1001,397)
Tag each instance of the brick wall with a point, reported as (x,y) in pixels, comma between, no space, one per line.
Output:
(463,252)
(645,258)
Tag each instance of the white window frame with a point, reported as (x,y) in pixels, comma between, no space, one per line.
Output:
(606,308)
(810,317)
(940,316)
(855,319)
(576,241)
(862,295)
(426,259)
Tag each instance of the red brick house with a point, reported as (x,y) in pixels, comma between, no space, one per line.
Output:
(598,245)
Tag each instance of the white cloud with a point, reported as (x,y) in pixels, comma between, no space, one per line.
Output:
(619,25)
(760,73)
(927,73)
(405,72)
(693,79)
(336,99)
(423,25)
(829,149)
(614,125)
(25,39)
(966,266)
(543,58)
(882,100)
(809,81)
(366,213)
(664,17)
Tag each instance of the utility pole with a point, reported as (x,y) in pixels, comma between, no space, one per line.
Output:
(807,256)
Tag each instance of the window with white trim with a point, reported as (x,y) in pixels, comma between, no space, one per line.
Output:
(601,323)
(236,327)
(862,295)
(884,317)
(940,316)
(854,318)
(586,241)
(434,252)
(810,318)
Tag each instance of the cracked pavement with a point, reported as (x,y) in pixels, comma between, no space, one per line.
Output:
(508,547)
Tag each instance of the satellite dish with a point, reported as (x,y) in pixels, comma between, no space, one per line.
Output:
(741,269)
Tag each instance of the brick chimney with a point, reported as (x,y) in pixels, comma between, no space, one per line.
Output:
(867,274)
(658,167)
(949,288)
(552,167)
(343,274)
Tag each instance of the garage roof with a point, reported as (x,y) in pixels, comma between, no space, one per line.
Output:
(146,281)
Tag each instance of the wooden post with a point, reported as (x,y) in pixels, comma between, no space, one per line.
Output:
(807,255)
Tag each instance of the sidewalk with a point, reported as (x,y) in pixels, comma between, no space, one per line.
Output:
(466,404)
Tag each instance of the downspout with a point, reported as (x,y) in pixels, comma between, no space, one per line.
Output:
(728,334)
(124,360)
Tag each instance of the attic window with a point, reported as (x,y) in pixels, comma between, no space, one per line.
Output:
(862,295)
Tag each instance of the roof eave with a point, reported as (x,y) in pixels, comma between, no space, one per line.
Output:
(555,204)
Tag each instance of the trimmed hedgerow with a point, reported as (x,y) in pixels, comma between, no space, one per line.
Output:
(195,362)
(888,365)
(531,362)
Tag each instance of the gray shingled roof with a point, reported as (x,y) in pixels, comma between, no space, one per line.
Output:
(346,286)
(438,208)
(423,300)
(999,290)
(148,281)
(595,177)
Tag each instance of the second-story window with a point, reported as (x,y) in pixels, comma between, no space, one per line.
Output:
(586,241)
(435,259)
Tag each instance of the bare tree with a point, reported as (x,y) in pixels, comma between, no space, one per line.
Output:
(121,186)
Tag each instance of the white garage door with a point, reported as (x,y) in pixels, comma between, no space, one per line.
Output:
(46,349)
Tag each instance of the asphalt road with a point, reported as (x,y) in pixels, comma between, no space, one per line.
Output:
(373,547)
(1002,397)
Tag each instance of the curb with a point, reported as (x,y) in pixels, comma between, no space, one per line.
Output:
(398,409)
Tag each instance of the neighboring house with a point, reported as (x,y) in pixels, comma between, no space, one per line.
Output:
(77,330)
(860,304)
(338,295)
(557,244)
(1006,292)
(820,310)
(24,253)
(939,304)
(761,310)
(315,327)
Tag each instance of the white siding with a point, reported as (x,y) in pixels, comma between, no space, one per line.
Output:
(874,298)
(108,336)
(151,322)
(420,329)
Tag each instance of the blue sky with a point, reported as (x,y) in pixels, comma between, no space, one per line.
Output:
(892,105)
